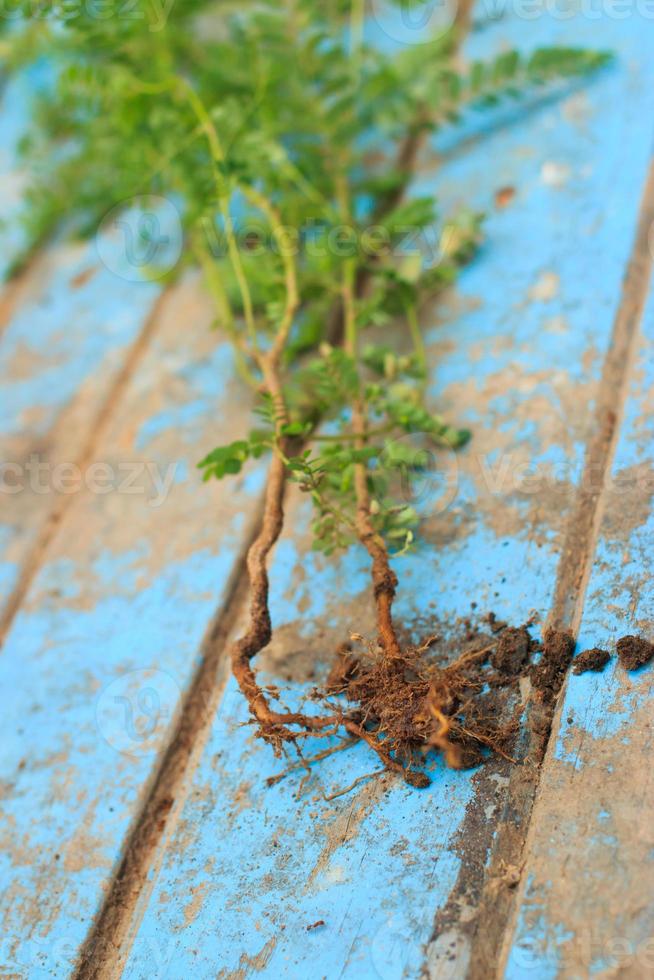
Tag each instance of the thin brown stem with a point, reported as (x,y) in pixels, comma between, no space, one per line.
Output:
(259,629)
(384,579)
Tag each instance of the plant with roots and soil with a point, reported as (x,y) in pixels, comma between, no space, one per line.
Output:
(281,118)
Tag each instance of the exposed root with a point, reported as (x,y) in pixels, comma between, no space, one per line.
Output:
(355,782)
(411,704)
(305,763)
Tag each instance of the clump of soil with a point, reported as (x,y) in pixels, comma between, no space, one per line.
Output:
(594,659)
(512,650)
(548,675)
(634,652)
(424,699)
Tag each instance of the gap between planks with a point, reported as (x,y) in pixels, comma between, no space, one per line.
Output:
(62,504)
(489,945)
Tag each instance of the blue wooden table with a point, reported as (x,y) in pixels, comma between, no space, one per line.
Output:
(140,835)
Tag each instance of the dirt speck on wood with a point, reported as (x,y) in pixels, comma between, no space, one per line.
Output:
(634,652)
(504,196)
(593,659)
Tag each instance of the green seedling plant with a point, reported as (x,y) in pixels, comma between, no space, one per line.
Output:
(282,118)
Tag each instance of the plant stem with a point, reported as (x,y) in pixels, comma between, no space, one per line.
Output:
(225,315)
(357,20)
(218,157)
(383,578)
(418,341)
(290,271)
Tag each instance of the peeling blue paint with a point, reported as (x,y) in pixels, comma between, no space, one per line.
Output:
(72,335)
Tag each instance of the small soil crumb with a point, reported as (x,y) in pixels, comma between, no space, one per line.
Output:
(496,625)
(512,650)
(504,196)
(83,277)
(595,659)
(547,676)
(417,779)
(634,652)
(509,877)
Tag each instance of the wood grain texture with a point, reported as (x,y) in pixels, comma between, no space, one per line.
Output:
(61,355)
(395,874)
(109,635)
(73,324)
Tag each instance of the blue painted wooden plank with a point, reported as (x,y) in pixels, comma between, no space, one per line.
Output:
(586,907)
(249,867)
(60,355)
(110,632)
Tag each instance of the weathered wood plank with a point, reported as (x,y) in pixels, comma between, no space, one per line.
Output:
(109,635)
(585,905)
(61,355)
(69,326)
(518,356)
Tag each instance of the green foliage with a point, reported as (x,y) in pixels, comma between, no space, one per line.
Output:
(277,132)
(229,460)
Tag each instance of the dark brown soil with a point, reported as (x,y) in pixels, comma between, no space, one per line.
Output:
(495,624)
(594,659)
(634,652)
(512,650)
(344,669)
(547,676)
